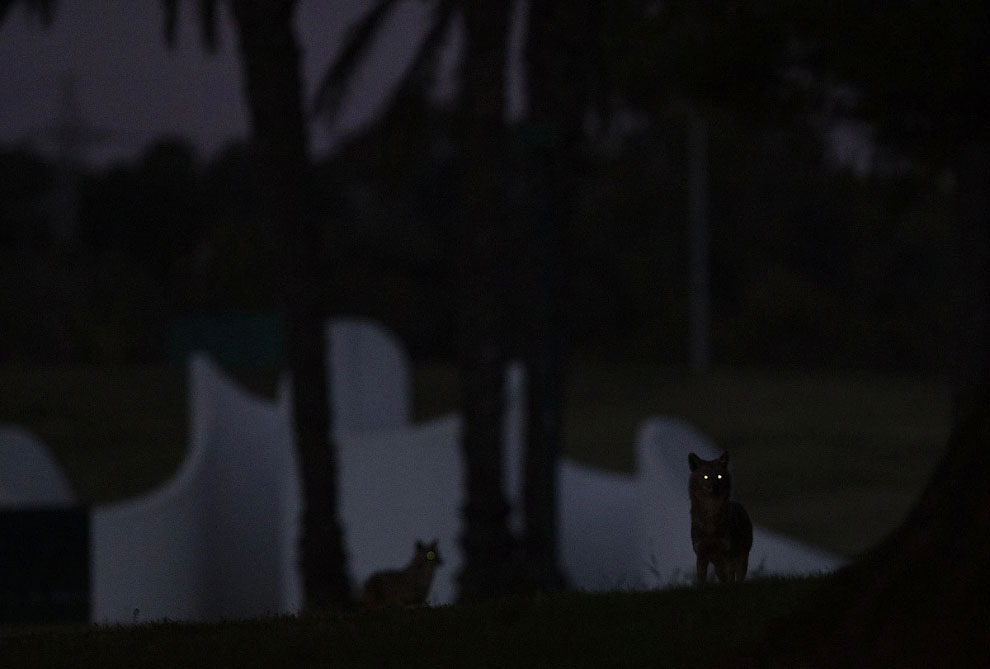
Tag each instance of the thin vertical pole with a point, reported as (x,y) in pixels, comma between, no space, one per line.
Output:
(699,348)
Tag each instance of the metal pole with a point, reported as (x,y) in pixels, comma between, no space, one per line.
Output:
(699,345)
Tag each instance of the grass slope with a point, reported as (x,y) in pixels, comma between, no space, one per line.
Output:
(685,627)
(832,458)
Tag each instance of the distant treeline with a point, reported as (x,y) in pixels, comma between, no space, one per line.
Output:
(811,265)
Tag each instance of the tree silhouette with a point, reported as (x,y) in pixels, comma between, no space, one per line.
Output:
(481,348)
(917,72)
(270,58)
(273,91)
(562,55)
(484,250)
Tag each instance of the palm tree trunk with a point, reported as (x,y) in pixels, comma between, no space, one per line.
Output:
(538,315)
(561,34)
(270,57)
(481,350)
(972,303)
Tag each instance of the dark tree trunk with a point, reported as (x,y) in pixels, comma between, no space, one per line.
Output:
(481,287)
(270,57)
(922,597)
(972,303)
(559,55)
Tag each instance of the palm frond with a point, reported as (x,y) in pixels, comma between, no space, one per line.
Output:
(424,64)
(332,88)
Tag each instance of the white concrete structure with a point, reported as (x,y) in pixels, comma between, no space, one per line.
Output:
(597,521)
(209,543)
(369,377)
(29,475)
(220,539)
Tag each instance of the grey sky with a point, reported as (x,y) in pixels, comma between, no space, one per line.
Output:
(136,89)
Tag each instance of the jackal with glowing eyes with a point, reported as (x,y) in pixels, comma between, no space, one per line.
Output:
(403,587)
(721,531)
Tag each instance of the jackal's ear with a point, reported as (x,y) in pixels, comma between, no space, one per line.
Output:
(724,460)
(693,461)
(419,545)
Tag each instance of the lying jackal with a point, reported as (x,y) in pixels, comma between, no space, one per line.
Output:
(403,587)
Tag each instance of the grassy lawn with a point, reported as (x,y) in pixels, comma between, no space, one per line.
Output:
(686,627)
(116,431)
(832,458)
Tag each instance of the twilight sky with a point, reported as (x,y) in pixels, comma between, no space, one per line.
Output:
(135,89)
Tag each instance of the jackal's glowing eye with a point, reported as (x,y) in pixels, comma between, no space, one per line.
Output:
(720,476)
(706,477)
(431,556)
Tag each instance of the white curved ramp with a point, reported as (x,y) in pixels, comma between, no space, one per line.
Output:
(206,544)
(369,377)
(596,513)
(29,475)
(662,448)
(220,539)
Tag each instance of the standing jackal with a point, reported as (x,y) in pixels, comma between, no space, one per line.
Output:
(403,587)
(721,531)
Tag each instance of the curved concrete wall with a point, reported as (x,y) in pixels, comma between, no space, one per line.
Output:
(596,513)
(220,539)
(369,375)
(29,475)
(206,544)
